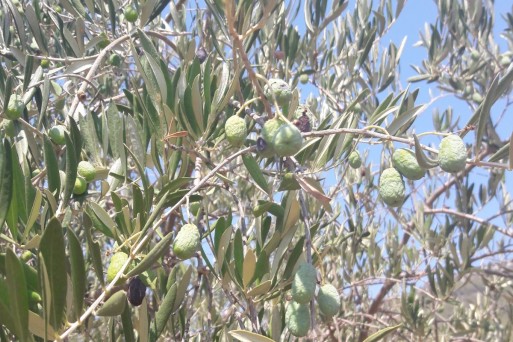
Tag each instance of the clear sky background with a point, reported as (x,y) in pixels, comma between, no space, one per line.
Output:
(415,15)
(412,20)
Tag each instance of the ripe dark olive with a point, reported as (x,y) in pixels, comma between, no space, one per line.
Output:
(136,291)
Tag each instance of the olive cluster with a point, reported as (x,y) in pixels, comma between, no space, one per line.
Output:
(297,314)
(279,136)
(452,158)
(86,171)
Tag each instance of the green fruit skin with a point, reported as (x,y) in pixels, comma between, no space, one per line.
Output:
(269,132)
(355,161)
(391,187)
(236,131)
(303,79)
(15,107)
(288,141)
(45,63)
(86,170)
(452,154)
(115,60)
(116,262)
(504,61)
(8,127)
(56,133)
(35,173)
(303,285)
(131,15)
(406,163)
(297,319)
(114,306)
(80,186)
(476,97)
(328,300)
(187,242)
(280,90)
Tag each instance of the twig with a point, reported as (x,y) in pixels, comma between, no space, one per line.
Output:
(93,69)
(237,44)
(308,247)
(468,217)
(142,242)
(367,133)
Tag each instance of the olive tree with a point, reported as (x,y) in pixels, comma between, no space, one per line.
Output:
(254,171)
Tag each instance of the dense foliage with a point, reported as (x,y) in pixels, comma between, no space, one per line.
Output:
(253,170)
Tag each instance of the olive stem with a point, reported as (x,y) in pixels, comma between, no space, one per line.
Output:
(147,236)
(410,142)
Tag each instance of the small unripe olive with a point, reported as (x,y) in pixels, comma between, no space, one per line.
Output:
(297,319)
(280,90)
(452,154)
(304,78)
(14,107)
(80,186)
(355,161)
(57,135)
(86,170)
(287,141)
(236,131)
(406,163)
(391,187)
(303,285)
(131,14)
(115,59)
(187,241)
(328,300)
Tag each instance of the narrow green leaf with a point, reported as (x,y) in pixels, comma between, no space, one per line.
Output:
(54,255)
(94,250)
(382,333)
(256,173)
(17,288)
(76,137)
(38,327)
(5,180)
(165,310)
(155,253)
(71,169)
(89,136)
(128,328)
(78,271)
(34,212)
(248,336)
(52,167)
(238,255)
(182,288)
(102,221)
(424,161)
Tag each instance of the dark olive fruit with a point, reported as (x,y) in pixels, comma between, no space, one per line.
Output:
(201,54)
(136,291)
